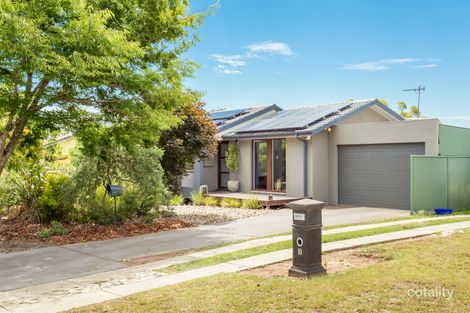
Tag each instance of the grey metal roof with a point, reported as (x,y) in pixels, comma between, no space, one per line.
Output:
(308,120)
(295,118)
(241,118)
(219,117)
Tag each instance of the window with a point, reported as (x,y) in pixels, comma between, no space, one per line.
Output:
(269,164)
(279,164)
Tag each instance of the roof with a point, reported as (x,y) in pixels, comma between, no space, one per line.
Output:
(308,120)
(220,117)
(229,120)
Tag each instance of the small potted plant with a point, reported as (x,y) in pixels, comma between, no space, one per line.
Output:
(232,157)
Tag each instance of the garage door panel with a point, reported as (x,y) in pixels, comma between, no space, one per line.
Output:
(376,175)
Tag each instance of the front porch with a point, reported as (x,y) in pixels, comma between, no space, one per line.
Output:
(273,199)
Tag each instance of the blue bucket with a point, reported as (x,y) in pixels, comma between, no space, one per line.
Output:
(443,211)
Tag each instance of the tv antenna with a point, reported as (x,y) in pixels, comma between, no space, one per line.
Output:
(418,90)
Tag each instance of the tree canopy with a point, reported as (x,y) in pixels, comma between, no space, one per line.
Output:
(193,138)
(411,112)
(72,64)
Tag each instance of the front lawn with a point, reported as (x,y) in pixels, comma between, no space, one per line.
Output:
(411,268)
(236,255)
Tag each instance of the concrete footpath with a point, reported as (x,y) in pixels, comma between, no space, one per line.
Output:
(39,266)
(63,295)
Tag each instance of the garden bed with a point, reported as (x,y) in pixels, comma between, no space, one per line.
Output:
(19,235)
(16,235)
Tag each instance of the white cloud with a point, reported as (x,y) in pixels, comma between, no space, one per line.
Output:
(380,65)
(425,66)
(231,64)
(387,64)
(232,60)
(271,47)
(222,69)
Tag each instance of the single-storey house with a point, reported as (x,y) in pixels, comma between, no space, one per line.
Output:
(353,152)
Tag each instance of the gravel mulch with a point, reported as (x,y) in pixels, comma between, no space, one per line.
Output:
(200,215)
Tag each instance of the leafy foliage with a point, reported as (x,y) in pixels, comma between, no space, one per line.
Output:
(232,157)
(139,172)
(198,198)
(211,201)
(56,229)
(25,188)
(69,63)
(412,112)
(51,200)
(177,199)
(193,138)
(230,203)
(251,203)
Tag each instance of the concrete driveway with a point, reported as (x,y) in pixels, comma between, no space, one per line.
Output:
(39,266)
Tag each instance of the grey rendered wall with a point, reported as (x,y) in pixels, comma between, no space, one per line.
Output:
(209,175)
(294,167)
(320,166)
(369,115)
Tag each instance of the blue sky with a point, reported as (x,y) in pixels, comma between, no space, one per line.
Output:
(299,52)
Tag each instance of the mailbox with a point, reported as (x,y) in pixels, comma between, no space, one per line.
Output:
(114,190)
(306,238)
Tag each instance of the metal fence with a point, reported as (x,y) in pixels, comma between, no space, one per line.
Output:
(440,182)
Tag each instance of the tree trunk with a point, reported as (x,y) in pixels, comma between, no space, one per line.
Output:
(9,142)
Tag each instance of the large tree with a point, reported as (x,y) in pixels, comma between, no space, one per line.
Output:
(69,63)
(193,138)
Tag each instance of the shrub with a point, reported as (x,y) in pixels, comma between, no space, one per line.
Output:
(51,202)
(138,172)
(56,229)
(232,157)
(22,190)
(177,199)
(230,203)
(251,203)
(197,198)
(211,201)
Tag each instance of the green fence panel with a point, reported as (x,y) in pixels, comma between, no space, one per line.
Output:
(428,183)
(458,183)
(454,140)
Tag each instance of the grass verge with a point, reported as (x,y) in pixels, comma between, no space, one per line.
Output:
(236,255)
(395,285)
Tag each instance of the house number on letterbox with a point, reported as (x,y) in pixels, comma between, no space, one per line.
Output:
(299,217)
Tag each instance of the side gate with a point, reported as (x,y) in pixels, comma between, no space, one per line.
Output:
(440,182)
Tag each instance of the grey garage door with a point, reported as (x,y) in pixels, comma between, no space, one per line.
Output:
(376,175)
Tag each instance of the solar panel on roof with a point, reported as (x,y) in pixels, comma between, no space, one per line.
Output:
(296,118)
(223,115)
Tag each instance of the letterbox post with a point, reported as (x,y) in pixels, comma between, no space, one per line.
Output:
(114,191)
(306,238)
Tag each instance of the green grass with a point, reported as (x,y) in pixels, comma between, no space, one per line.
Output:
(231,256)
(387,220)
(408,265)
